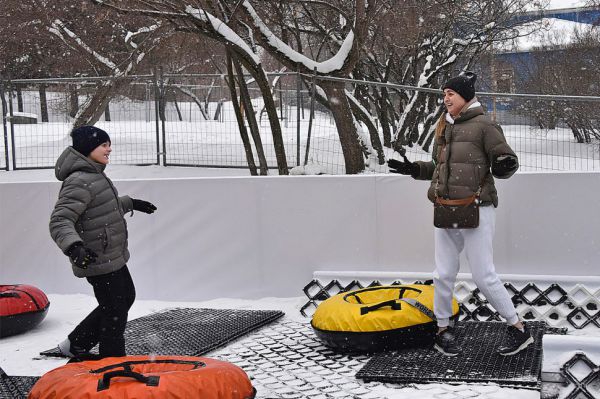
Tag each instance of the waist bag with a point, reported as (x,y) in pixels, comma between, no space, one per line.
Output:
(456,213)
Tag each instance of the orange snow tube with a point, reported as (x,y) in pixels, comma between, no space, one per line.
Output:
(145,377)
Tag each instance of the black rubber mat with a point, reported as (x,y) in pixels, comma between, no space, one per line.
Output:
(15,387)
(188,331)
(478,361)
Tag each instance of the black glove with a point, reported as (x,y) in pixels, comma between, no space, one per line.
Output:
(404,168)
(143,206)
(80,255)
(504,166)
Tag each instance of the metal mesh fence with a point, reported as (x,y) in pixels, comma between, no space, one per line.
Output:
(550,133)
(547,133)
(202,130)
(41,114)
(190,120)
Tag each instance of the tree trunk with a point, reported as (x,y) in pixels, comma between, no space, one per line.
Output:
(380,108)
(373,132)
(43,103)
(207,99)
(195,99)
(94,107)
(218,110)
(251,117)
(429,126)
(162,105)
(239,117)
(261,79)
(73,101)
(107,112)
(19,98)
(408,127)
(342,114)
(176,106)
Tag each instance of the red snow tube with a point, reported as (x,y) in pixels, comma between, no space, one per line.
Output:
(147,377)
(22,307)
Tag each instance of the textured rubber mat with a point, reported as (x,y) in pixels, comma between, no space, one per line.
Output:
(15,387)
(188,331)
(288,361)
(478,361)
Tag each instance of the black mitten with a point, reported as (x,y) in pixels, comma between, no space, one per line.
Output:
(80,255)
(404,168)
(143,206)
(504,166)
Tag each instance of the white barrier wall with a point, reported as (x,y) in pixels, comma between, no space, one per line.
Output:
(251,237)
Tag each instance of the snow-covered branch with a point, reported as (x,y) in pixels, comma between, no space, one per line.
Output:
(329,66)
(222,29)
(146,29)
(58,28)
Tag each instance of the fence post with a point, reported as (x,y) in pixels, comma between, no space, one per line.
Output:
(298,88)
(313,92)
(12,126)
(280,99)
(4,116)
(163,101)
(156,113)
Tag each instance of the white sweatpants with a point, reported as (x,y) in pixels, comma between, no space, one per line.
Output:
(477,242)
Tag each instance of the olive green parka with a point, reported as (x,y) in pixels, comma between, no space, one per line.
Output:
(462,157)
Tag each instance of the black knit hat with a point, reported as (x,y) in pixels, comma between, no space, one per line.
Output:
(87,138)
(463,84)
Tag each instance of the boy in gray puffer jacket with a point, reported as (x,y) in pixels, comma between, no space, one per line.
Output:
(88,225)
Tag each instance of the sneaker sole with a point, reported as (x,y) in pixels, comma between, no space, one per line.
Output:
(520,348)
(443,352)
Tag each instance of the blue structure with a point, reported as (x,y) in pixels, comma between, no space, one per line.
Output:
(510,69)
(584,15)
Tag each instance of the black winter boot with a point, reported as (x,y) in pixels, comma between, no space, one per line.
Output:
(70,350)
(515,341)
(445,343)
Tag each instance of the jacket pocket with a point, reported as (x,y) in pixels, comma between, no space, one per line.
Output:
(106,239)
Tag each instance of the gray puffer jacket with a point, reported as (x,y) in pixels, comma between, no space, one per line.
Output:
(462,156)
(89,210)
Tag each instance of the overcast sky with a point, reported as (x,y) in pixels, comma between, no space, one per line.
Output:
(555,4)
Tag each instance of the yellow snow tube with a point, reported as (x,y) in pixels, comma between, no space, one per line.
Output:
(378,318)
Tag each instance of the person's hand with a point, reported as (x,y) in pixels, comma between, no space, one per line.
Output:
(404,168)
(80,255)
(504,166)
(143,206)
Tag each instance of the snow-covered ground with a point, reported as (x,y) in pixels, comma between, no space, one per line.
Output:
(19,354)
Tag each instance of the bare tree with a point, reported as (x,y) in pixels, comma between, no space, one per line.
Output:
(211,19)
(563,68)
(437,38)
(418,43)
(241,28)
(93,108)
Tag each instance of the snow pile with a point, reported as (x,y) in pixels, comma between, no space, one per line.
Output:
(308,169)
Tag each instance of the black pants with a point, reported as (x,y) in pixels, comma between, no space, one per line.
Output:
(105,325)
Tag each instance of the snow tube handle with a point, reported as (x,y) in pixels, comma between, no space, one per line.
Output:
(9,295)
(104,383)
(393,303)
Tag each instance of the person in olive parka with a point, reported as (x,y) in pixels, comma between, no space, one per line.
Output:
(469,150)
(88,225)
